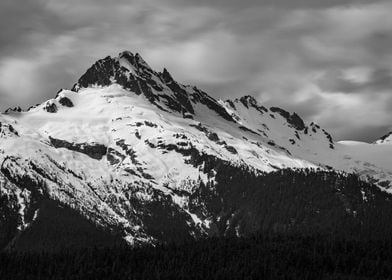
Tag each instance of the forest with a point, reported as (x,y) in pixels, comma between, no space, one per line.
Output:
(256,257)
(289,224)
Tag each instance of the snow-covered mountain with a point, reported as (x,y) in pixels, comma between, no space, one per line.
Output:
(386,139)
(128,148)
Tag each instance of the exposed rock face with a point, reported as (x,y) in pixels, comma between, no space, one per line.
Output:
(384,139)
(199,96)
(7,130)
(292,119)
(329,137)
(183,103)
(249,101)
(50,107)
(15,109)
(140,79)
(93,150)
(65,101)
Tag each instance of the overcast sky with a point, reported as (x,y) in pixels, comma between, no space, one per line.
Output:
(328,60)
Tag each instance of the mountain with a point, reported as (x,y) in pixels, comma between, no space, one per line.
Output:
(386,139)
(130,155)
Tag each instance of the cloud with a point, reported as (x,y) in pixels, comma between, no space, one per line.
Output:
(322,59)
(357,81)
(25,78)
(286,4)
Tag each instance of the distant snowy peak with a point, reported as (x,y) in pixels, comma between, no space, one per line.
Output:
(386,139)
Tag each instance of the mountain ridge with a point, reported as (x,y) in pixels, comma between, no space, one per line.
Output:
(143,156)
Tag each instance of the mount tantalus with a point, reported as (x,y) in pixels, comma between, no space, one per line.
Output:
(130,155)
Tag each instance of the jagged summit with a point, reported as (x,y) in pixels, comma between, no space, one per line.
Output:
(133,74)
(136,61)
(166,77)
(121,69)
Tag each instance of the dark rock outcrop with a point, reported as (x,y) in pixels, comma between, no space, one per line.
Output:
(93,150)
(65,101)
(385,136)
(330,140)
(181,102)
(109,70)
(249,101)
(231,149)
(200,96)
(248,130)
(50,107)
(15,109)
(294,120)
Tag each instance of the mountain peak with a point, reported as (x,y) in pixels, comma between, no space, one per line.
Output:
(133,74)
(166,76)
(142,155)
(127,70)
(135,60)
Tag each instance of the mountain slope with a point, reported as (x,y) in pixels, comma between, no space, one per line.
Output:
(386,139)
(130,149)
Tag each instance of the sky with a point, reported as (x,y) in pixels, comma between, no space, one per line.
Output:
(330,61)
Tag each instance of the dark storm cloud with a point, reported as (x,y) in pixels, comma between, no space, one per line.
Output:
(380,42)
(371,134)
(322,59)
(297,4)
(22,20)
(378,80)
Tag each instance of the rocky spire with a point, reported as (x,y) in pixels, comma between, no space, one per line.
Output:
(166,76)
(135,60)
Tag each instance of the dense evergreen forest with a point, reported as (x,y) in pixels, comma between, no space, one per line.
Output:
(304,202)
(257,257)
(289,224)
